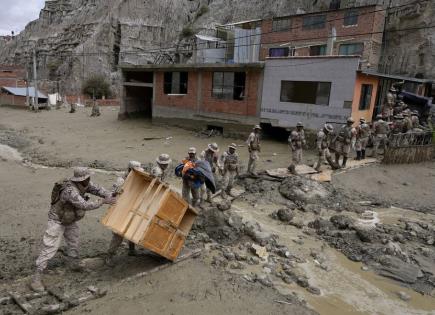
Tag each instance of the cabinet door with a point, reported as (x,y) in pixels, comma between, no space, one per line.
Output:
(158,236)
(175,246)
(173,209)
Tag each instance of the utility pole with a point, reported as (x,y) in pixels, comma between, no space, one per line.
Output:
(27,83)
(35,80)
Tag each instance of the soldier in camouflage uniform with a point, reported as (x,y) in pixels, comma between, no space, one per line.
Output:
(296,142)
(211,156)
(68,206)
(229,167)
(345,139)
(117,239)
(189,184)
(160,170)
(407,122)
(324,139)
(254,148)
(380,131)
(362,138)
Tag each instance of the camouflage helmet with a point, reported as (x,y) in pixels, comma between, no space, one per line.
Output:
(328,128)
(164,159)
(362,119)
(233,146)
(257,127)
(81,174)
(134,164)
(213,147)
(299,124)
(350,120)
(192,150)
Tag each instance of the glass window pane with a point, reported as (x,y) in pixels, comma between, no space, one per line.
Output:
(323,92)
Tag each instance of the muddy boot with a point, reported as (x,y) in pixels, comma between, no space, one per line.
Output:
(337,159)
(224,194)
(109,261)
(333,165)
(344,162)
(363,154)
(74,264)
(292,169)
(358,155)
(131,250)
(36,283)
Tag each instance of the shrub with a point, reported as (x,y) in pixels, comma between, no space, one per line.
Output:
(96,84)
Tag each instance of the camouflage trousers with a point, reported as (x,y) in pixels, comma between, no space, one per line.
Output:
(297,156)
(116,242)
(342,148)
(361,144)
(252,164)
(228,181)
(188,189)
(379,139)
(52,240)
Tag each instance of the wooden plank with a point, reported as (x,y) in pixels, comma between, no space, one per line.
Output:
(301,169)
(175,245)
(22,303)
(158,236)
(324,176)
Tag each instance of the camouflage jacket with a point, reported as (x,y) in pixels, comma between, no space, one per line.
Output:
(297,139)
(158,173)
(72,205)
(229,161)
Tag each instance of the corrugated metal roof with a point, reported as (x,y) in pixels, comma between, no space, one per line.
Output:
(22,91)
(209,38)
(396,77)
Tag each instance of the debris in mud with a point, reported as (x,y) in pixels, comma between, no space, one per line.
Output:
(260,251)
(298,188)
(388,249)
(284,215)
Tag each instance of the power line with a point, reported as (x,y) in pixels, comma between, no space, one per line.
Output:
(157,50)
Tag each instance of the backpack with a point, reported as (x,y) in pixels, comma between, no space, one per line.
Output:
(58,187)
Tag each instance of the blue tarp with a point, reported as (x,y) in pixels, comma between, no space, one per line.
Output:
(202,174)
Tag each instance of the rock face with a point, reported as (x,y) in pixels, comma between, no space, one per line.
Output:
(76,38)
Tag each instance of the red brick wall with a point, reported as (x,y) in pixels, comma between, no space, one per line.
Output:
(368,21)
(6,99)
(246,107)
(187,101)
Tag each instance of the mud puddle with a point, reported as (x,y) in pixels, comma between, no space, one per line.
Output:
(346,287)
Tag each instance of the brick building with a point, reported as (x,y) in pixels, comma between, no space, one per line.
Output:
(218,95)
(12,76)
(350,31)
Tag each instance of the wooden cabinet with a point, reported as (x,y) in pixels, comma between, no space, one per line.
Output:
(150,214)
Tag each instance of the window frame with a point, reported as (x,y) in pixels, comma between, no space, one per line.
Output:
(169,80)
(286,51)
(321,47)
(283,24)
(348,45)
(236,76)
(364,95)
(317,88)
(350,16)
(314,25)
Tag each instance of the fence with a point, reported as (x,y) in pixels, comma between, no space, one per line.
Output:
(413,147)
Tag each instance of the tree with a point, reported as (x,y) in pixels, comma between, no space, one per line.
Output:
(96,86)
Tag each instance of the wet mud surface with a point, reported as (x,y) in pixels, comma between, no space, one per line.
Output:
(330,248)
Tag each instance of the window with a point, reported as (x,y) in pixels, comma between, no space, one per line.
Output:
(282,24)
(319,50)
(366,96)
(350,18)
(229,85)
(175,83)
(279,52)
(314,22)
(306,92)
(351,49)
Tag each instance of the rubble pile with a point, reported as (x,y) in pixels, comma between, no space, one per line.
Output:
(403,252)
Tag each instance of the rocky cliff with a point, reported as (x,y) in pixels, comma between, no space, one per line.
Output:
(76,38)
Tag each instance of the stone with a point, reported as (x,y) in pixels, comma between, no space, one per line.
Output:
(342,222)
(285,215)
(224,205)
(287,279)
(237,265)
(364,268)
(302,189)
(229,255)
(260,251)
(403,296)
(241,256)
(302,282)
(393,267)
(264,280)
(313,290)
(253,261)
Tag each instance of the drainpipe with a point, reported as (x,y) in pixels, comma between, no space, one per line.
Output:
(332,39)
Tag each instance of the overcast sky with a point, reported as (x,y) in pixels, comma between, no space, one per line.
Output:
(15,14)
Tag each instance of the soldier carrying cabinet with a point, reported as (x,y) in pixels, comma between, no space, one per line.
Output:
(160,170)
(69,204)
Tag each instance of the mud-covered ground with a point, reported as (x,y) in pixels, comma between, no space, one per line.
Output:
(305,228)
